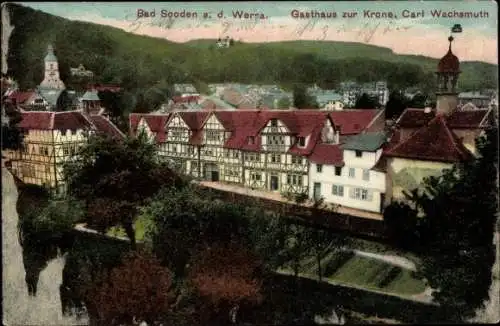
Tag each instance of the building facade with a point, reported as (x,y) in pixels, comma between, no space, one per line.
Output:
(50,140)
(428,141)
(343,174)
(266,150)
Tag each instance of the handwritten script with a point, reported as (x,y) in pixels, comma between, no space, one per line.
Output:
(365,32)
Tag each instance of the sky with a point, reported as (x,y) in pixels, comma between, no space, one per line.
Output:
(423,35)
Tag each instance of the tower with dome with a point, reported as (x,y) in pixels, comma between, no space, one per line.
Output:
(447,73)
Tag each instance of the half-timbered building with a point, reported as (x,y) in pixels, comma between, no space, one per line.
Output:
(50,140)
(266,150)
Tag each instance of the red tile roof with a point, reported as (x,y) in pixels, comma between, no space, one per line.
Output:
(195,120)
(62,121)
(244,124)
(434,142)
(68,120)
(467,119)
(105,126)
(20,97)
(327,154)
(37,120)
(353,122)
(133,120)
(415,118)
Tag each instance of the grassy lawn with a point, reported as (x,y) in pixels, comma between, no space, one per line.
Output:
(141,226)
(350,269)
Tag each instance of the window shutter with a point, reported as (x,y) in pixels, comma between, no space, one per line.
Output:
(351,192)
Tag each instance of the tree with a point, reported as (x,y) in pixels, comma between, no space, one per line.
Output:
(185,219)
(105,173)
(226,277)
(65,102)
(301,99)
(402,224)
(284,103)
(418,101)
(366,102)
(12,136)
(459,214)
(138,290)
(296,247)
(396,104)
(321,242)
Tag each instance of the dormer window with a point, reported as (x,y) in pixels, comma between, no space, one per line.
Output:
(274,122)
(302,141)
(359,153)
(251,140)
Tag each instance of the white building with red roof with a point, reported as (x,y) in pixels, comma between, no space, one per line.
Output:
(50,139)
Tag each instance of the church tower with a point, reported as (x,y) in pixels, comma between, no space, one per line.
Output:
(51,79)
(447,77)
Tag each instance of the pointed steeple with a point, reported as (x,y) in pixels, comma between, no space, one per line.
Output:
(50,54)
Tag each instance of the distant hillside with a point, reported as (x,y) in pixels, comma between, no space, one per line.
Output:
(139,61)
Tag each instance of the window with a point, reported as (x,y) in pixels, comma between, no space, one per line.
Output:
(65,150)
(212,135)
(293,179)
(360,194)
(251,140)
(366,175)
(352,172)
(338,190)
(338,170)
(177,134)
(359,153)
(236,154)
(191,150)
(43,150)
(174,148)
(302,141)
(275,158)
(319,168)
(274,122)
(256,176)
(296,159)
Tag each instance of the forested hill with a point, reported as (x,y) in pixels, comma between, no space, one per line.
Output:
(138,61)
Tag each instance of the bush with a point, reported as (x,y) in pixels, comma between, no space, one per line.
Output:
(301,198)
(53,220)
(333,265)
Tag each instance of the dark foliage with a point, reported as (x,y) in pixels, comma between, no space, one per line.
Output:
(366,102)
(115,178)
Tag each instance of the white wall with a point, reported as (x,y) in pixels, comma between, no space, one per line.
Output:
(375,185)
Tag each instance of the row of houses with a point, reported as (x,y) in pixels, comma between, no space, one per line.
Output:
(347,157)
